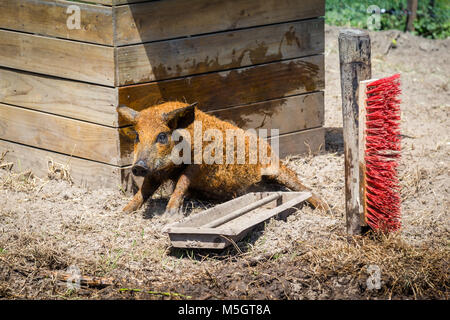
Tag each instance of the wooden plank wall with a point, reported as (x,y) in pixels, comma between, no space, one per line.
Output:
(57,90)
(259,66)
(262,64)
(83,172)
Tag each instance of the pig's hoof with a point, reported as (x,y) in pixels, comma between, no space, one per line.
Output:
(131,207)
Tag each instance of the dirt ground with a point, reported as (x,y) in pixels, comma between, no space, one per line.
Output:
(49,227)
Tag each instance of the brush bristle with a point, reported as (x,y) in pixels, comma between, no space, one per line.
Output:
(382,153)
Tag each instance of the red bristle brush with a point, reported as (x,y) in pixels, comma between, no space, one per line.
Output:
(380,141)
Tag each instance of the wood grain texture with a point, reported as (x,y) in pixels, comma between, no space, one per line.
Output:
(215,52)
(115,2)
(57,57)
(64,135)
(355,66)
(220,90)
(49,18)
(83,172)
(103,2)
(301,142)
(119,2)
(68,98)
(288,114)
(158,20)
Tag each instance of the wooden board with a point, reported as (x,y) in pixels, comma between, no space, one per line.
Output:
(116,2)
(83,172)
(56,133)
(219,90)
(233,219)
(222,51)
(302,142)
(68,98)
(288,114)
(103,2)
(57,57)
(158,20)
(119,2)
(50,18)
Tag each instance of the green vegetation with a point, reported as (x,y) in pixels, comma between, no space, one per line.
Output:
(433,16)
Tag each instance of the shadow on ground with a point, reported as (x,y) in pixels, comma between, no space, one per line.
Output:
(334,140)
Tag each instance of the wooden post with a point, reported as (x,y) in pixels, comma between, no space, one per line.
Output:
(355,63)
(412,13)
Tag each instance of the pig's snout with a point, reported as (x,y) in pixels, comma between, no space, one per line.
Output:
(140,169)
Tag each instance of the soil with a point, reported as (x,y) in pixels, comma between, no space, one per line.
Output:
(49,227)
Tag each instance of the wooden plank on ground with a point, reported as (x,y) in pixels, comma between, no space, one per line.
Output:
(103,2)
(119,2)
(301,142)
(68,98)
(158,20)
(288,114)
(116,2)
(220,51)
(83,172)
(72,137)
(220,90)
(57,57)
(52,18)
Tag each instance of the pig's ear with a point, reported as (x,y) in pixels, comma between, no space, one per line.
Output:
(127,113)
(180,118)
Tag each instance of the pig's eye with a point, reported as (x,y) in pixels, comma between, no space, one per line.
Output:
(162,138)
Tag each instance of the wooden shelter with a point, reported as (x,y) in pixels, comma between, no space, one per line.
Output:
(65,66)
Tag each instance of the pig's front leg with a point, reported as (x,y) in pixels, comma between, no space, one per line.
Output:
(181,188)
(149,186)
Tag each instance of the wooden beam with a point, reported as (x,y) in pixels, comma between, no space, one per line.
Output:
(355,65)
(83,172)
(103,2)
(71,137)
(301,142)
(242,210)
(116,2)
(220,51)
(161,20)
(288,114)
(220,90)
(67,98)
(57,57)
(49,18)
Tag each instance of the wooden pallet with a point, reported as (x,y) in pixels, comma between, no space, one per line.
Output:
(259,66)
(229,222)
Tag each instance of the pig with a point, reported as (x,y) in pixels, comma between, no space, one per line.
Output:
(154,144)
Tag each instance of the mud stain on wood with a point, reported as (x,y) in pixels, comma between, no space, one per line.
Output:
(185,57)
(232,88)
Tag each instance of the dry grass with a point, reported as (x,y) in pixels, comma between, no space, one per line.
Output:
(406,270)
(48,225)
(59,171)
